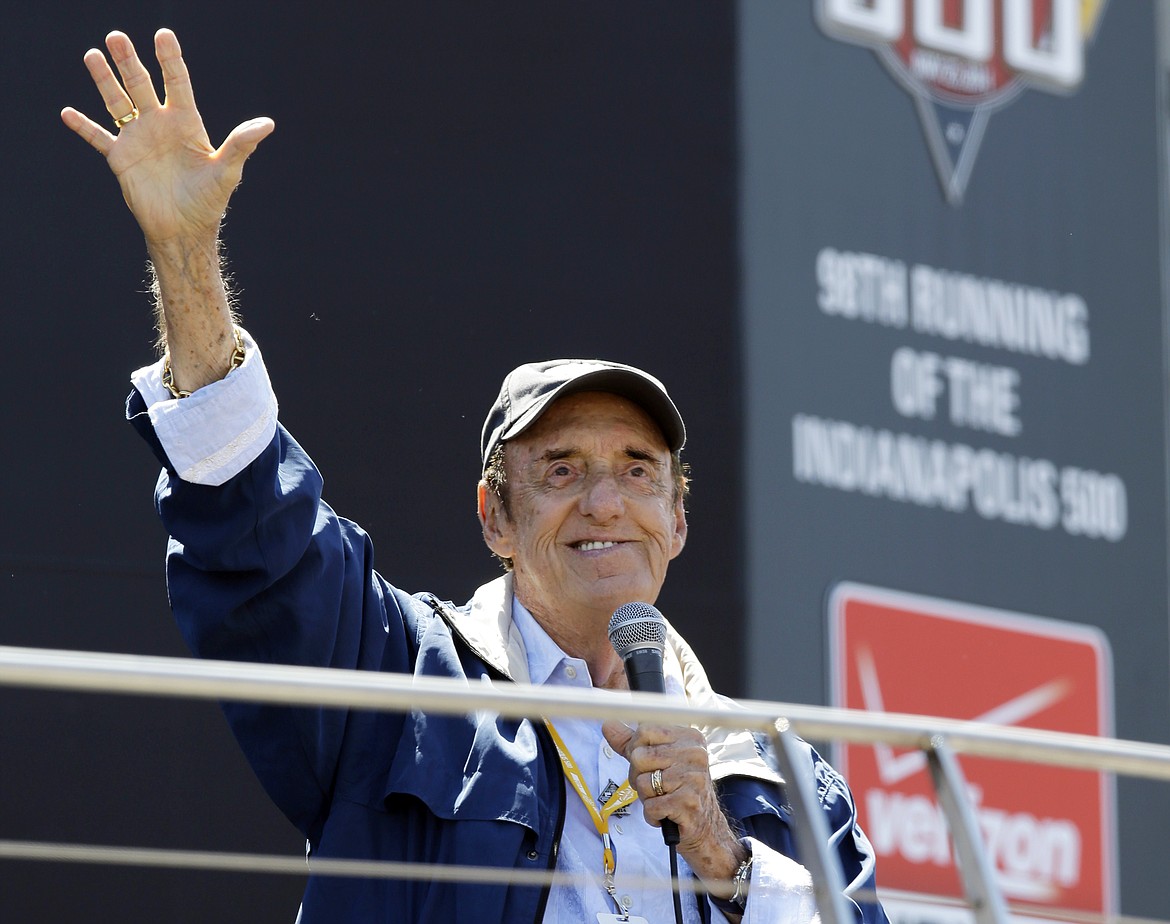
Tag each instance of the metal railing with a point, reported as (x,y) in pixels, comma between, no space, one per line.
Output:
(939,739)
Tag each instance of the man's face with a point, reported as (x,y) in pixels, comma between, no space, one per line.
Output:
(594,518)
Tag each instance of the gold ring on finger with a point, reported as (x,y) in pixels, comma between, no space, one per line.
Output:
(656,783)
(126,119)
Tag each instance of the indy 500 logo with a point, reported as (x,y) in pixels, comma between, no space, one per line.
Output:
(962,59)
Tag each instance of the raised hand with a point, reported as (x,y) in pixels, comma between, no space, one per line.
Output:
(176,184)
(178,187)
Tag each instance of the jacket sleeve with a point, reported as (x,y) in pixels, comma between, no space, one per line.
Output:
(259,568)
(753,804)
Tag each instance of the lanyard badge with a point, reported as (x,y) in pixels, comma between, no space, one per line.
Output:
(623,796)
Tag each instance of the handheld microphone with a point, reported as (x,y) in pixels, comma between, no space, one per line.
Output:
(637,632)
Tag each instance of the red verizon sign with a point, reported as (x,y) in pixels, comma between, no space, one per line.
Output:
(1049,830)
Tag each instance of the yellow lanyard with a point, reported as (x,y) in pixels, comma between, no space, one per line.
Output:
(625,795)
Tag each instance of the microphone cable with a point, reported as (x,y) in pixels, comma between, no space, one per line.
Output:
(678,914)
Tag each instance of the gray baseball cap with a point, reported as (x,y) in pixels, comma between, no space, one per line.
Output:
(528,391)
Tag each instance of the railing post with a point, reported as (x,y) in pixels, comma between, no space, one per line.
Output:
(974,866)
(812,831)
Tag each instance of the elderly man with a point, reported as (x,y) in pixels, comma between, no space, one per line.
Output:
(582,498)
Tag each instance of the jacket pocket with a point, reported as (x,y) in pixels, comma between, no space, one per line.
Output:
(476,767)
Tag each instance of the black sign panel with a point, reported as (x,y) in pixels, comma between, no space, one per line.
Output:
(953,333)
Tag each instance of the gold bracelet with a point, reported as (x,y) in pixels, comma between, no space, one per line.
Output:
(168,377)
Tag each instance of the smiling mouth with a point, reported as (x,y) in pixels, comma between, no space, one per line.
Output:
(593,545)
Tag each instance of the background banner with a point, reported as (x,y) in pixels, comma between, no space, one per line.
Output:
(953,346)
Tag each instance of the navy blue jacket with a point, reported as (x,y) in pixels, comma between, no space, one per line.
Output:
(261,569)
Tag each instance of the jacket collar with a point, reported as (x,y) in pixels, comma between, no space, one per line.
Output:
(485,626)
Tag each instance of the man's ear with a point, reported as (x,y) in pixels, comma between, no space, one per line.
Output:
(680,528)
(494,521)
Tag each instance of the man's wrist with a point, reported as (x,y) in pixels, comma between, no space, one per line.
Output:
(168,376)
(736,902)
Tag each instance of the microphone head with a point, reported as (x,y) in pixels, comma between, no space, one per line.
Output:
(635,626)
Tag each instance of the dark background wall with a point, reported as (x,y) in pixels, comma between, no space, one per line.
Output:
(452,188)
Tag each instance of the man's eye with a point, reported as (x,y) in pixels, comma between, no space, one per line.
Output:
(561,471)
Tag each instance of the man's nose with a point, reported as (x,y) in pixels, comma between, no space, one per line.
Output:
(602,497)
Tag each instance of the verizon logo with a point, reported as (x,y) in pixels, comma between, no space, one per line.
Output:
(1035,859)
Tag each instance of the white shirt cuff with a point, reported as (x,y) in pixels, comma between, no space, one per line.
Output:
(780,892)
(221,428)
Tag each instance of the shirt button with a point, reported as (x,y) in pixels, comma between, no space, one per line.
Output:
(571,672)
(627,902)
(607,751)
(618,829)
(532,855)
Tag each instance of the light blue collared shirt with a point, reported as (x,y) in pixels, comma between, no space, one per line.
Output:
(642,877)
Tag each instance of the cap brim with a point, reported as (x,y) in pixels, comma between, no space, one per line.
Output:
(627,384)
